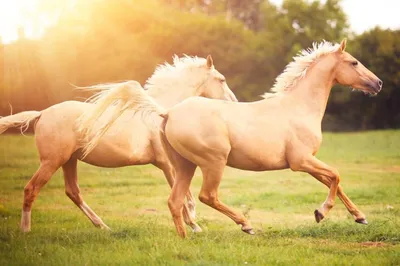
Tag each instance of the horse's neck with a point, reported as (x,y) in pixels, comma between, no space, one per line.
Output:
(168,98)
(172,94)
(310,96)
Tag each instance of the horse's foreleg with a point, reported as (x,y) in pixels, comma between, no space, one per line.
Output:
(73,192)
(209,195)
(350,206)
(32,189)
(321,172)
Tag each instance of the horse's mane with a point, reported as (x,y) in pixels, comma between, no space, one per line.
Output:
(179,76)
(166,73)
(297,69)
(163,76)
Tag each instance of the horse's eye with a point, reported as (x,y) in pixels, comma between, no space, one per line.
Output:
(222,80)
(354,63)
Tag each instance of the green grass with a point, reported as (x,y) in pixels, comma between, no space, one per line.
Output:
(280,204)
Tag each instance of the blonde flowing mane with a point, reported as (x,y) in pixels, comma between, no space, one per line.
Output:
(169,77)
(171,80)
(297,69)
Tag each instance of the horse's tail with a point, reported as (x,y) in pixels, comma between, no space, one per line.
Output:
(118,97)
(21,120)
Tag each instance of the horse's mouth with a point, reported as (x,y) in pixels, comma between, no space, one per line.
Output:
(370,89)
(366,92)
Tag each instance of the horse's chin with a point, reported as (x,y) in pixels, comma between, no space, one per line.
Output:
(370,92)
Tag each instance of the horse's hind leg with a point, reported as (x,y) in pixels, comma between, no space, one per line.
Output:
(212,175)
(188,213)
(73,192)
(191,204)
(32,189)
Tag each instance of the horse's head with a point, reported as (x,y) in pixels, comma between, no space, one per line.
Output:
(214,85)
(350,72)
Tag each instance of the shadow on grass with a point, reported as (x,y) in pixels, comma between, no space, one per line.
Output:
(383,230)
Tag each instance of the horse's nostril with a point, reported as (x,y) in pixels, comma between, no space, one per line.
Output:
(380,83)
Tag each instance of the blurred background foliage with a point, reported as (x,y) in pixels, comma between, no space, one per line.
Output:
(251,41)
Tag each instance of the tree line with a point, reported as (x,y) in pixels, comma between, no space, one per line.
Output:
(251,41)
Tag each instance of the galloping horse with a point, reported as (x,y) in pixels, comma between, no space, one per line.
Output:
(130,142)
(282,131)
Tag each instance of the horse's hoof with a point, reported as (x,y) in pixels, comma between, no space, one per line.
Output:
(249,231)
(197,229)
(362,221)
(25,230)
(318,216)
(104,227)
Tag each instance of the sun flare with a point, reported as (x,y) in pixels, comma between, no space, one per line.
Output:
(32,17)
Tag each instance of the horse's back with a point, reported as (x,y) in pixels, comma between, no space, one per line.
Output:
(126,143)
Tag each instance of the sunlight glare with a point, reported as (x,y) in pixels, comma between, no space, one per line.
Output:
(23,14)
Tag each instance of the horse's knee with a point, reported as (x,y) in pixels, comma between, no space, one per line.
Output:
(74,195)
(204,198)
(29,197)
(28,189)
(175,208)
(208,199)
(335,177)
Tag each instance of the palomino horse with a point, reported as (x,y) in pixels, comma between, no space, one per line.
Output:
(281,131)
(60,142)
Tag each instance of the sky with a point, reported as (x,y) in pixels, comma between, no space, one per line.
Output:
(362,15)
(366,14)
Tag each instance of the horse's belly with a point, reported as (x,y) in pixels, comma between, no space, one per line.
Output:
(128,142)
(117,152)
(258,156)
(257,161)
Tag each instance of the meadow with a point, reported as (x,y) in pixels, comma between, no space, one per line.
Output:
(280,205)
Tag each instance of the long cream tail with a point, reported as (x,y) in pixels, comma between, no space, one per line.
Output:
(115,98)
(20,120)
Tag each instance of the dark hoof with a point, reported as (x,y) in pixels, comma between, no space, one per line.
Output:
(249,231)
(318,216)
(362,221)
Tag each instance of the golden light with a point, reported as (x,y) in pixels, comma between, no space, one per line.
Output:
(32,16)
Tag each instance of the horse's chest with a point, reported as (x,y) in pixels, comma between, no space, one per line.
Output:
(308,136)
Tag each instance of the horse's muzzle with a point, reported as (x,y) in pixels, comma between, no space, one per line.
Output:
(374,86)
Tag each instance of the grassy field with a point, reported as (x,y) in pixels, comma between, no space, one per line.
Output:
(132,201)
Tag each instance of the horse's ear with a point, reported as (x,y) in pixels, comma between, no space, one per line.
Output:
(343,45)
(209,61)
